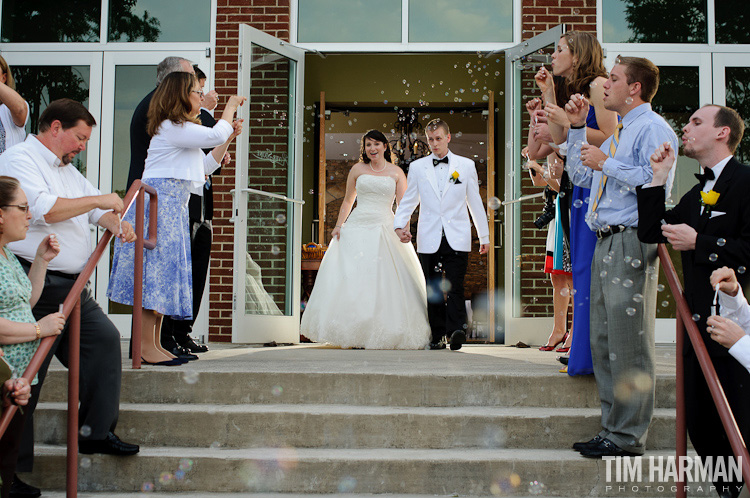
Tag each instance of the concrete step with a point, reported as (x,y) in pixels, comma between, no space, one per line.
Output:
(346,426)
(477,472)
(184,385)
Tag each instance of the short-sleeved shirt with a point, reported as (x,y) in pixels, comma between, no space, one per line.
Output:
(15,293)
(14,134)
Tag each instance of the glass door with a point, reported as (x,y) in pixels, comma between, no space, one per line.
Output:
(731,74)
(127,78)
(267,213)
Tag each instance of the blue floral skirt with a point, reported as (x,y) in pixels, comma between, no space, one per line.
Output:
(167,269)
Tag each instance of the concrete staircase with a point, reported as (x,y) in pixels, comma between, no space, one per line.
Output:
(309,429)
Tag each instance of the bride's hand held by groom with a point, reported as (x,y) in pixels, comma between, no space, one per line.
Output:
(403,235)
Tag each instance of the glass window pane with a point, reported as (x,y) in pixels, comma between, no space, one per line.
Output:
(731,22)
(466,21)
(40,85)
(159,21)
(738,98)
(51,21)
(349,21)
(648,21)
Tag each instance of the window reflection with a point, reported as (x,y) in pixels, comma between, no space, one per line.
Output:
(738,98)
(51,20)
(159,20)
(349,21)
(644,21)
(466,21)
(731,21)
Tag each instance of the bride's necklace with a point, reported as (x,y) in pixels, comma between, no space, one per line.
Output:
(378,170)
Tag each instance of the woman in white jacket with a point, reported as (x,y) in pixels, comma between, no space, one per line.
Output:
(731,329)
(176,167)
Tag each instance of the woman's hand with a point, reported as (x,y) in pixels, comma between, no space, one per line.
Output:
(556,167)
(724,331)
(556,114)
(336,233)
(533,105)
(544,80)
(48,248)
(726,280)
(20,392)
(52,324)
(236,128)
(542,133)
(236,101)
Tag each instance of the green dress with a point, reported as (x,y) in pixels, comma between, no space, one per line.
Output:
(15,293)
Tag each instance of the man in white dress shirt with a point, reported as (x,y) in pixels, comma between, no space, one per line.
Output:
(63,202)
(446,188)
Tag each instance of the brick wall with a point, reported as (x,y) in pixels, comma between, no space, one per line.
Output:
(537,17)
(271,16)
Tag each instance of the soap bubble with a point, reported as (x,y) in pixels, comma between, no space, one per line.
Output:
(190,377)
(275,250)
(494,203)
(616,280)
(627,283)
(638,298)
(696,317)
(629,100)
(713,257)
(85,431)
(721,242)
(660,287)
(280,218)
(664,303)
(636,263)
(578,203)
(630,311)
(741,270)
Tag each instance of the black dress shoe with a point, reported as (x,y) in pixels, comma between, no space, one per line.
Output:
(591,443)
(19,489)
(563,359)
(606,448)
(111,445)
(457,340)
(194,347)
(437,345)
(182,353)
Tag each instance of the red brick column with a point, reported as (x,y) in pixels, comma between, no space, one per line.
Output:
(272,17)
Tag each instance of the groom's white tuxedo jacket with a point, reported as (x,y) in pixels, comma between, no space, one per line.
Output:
(447,212)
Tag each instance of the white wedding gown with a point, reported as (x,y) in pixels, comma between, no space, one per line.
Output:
(370,291)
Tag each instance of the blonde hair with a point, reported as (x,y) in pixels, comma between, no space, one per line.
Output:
(5,68)
(172,101)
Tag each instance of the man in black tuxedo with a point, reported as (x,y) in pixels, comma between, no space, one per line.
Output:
(711,226)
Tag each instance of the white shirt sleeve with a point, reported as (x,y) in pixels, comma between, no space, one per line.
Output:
(192,135)
(741,351)
(209,164)
(38,193)
(735,308)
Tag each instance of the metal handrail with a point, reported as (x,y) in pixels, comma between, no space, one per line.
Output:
(685,321)
(72,310)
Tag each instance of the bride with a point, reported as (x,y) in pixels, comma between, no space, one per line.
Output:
(370,292)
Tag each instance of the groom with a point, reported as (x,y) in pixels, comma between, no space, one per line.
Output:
(444,185)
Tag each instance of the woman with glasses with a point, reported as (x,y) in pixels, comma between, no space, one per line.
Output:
(20,333)
(14,110)
(176,167)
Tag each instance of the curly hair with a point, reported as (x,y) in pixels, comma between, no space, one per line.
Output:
(589,62)
(172,101)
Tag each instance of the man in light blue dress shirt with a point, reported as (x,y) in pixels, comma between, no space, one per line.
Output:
(624,271)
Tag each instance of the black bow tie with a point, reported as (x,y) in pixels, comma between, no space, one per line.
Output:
(708,174)
(435,162)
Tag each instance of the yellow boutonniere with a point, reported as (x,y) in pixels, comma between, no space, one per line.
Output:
(709,198)
(454,178)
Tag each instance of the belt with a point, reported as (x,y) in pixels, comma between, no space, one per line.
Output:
(605,232)
(70,276)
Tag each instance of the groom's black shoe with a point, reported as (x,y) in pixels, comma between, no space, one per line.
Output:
(437,345)
(457,340)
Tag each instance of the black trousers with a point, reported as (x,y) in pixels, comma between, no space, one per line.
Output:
(446,315)
(9,446)
(177,331)
(703,422)
(101,366)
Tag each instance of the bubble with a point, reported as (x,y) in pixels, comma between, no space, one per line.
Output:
(587,200)
(629,100)
(215,445)
(612,356)
(385,102)
(741,270)
(578,203)
(85,463)
(165,478)
(565,292)
(186,465)
(190,377)
(494,203)
(713,257)
(627,283)
(630,311)
(660,288)
(721,242)
(445,285)
(603,274)
(147,487)
(277,390)
(696,317)
(509,144)
(536,488)
(85,431)
(638,298)
(403,81)
(664,303)
(280,218)
(607,259)
(628,259)
(636,263)
(179,475)
(347,484)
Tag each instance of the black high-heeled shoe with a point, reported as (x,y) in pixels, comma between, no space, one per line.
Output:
(166,363)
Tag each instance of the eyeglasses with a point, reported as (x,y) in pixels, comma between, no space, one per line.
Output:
(22,207)
(199,92)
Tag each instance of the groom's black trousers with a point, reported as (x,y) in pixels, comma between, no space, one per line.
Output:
(448,315)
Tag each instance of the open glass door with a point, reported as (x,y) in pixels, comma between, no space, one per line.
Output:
(528,296)
(731,72)
(267,214)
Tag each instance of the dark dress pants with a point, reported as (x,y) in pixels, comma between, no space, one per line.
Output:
(703,422)
(177,331)
(100,372)
(9,446)
(445,315)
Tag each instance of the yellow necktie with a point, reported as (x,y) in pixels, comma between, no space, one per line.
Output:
(612,148)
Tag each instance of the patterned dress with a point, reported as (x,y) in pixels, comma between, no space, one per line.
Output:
(15,292)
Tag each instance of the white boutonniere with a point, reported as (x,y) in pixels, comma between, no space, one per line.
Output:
(454,178)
